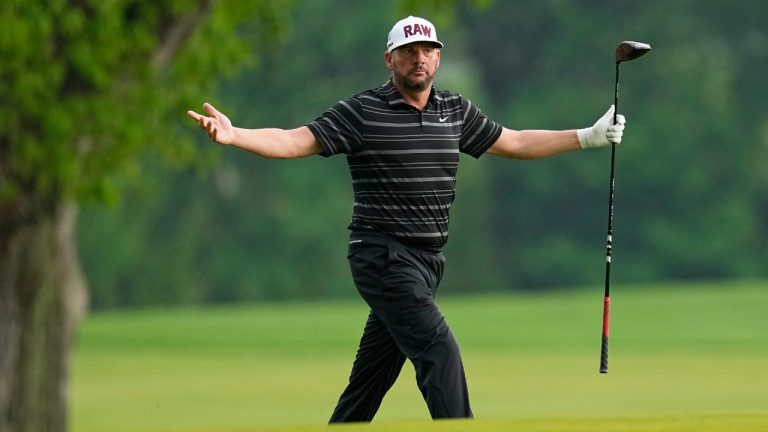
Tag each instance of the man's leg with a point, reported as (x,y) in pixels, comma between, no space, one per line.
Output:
(377,365)
(379,360)
(440,377)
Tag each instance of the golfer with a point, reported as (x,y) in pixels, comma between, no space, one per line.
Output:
(402,142)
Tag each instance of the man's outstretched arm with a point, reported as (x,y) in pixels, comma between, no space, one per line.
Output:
(269,142)
(535,144)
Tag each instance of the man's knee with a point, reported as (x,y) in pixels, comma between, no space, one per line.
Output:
(419,327)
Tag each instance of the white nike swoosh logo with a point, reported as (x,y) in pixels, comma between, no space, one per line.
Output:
(443,119)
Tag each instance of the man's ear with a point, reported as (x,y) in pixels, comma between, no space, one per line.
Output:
(388,60)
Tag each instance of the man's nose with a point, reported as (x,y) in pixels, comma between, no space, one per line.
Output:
(419,57)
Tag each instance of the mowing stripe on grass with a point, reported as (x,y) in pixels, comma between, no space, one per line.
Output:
(739,422)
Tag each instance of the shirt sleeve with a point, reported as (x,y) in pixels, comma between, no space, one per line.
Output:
(340,129)
(479,132)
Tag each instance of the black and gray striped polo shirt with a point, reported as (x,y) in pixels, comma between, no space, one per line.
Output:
(403,161)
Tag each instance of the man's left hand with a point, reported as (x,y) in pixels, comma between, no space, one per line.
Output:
(603,133)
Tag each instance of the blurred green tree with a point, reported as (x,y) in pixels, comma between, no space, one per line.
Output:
(689,190)
(86,86)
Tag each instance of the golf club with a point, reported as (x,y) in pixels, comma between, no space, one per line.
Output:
(626,51)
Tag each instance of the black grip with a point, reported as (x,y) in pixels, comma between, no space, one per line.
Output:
(604,355)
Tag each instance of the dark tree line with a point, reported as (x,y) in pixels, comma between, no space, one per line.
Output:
(691,178)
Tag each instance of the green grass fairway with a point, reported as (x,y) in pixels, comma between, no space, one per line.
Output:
(704,423)
(683,358)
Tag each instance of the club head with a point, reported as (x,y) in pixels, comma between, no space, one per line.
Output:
(629,50)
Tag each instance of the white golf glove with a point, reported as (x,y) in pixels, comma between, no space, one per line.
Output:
(602,133)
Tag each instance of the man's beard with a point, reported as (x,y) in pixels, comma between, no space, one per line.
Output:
(415,84)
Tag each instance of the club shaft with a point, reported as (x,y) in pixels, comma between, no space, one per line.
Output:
(609,241)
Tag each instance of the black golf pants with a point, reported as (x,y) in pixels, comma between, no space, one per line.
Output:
(399,283)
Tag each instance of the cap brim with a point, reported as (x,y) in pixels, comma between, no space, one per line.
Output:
(437,44)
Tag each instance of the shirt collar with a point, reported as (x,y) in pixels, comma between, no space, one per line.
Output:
(389,93)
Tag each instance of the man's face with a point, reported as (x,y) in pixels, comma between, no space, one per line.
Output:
(414,65)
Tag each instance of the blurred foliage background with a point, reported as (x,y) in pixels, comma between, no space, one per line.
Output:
(691,177)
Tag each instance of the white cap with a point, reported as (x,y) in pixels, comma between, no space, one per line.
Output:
(412,29)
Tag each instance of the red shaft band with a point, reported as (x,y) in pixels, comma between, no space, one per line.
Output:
(606,314)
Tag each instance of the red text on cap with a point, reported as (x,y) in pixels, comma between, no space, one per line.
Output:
(412,30)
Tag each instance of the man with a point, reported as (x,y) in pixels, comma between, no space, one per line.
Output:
(402,142)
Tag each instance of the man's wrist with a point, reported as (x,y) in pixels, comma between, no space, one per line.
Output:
(583,135)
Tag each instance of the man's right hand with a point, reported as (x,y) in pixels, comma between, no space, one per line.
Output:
(217,126)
